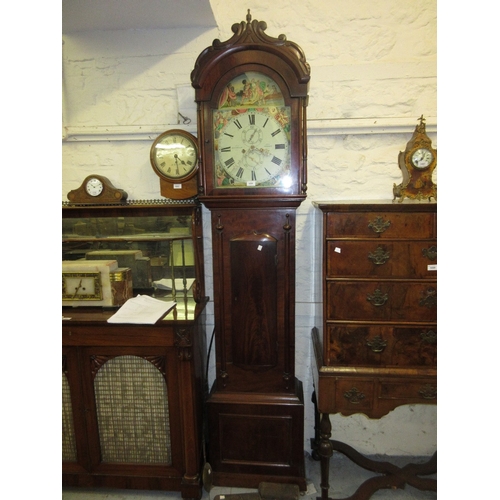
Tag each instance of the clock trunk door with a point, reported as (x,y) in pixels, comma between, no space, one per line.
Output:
(254,266)
(254,301)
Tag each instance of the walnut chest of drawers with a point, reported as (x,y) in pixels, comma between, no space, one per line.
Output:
(376,348)
(379,343)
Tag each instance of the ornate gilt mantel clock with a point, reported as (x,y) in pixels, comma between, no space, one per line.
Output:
(417,163)
(251,92)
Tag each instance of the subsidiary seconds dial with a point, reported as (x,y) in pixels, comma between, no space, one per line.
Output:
(253,147)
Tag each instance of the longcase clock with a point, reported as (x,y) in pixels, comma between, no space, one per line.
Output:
(251,92)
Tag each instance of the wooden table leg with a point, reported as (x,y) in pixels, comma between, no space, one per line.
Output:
(325,451)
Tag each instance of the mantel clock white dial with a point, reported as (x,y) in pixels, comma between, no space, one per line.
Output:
(94,186)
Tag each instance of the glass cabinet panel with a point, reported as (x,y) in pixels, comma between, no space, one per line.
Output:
(157,244)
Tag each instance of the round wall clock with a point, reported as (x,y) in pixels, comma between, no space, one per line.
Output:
(417,163)
(174,158)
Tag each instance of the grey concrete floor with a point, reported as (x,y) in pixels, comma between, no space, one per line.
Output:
(345,478)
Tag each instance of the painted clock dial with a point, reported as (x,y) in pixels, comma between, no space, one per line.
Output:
(252,134)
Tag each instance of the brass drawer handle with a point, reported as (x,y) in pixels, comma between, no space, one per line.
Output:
(429,298)
(428,392)
(431,253)
(377,344)
(429,337)
(377,298)
(354,396)
(379,257)
(379,225)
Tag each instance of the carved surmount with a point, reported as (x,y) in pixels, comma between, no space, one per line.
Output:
(251,35)
(379,225)
(379,257)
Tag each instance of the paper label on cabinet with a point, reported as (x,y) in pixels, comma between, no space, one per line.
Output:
(432,267)
(177,186)
(338,250)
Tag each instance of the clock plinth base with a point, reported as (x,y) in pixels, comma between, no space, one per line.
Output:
(256,437)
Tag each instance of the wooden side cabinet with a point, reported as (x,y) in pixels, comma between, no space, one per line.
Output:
(132,401)
(133,394)
(377,345)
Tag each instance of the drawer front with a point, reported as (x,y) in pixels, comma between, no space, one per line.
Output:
(375,345)
(387,259)
(381,301)
(377,396)
(381,225)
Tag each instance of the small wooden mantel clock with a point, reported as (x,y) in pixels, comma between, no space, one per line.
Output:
(252,93)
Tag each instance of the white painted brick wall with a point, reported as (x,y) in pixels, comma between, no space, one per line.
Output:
(373,73)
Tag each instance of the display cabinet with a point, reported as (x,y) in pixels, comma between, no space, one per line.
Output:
(133,394)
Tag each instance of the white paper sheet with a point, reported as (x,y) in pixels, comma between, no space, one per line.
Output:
(166,284)
(142,309)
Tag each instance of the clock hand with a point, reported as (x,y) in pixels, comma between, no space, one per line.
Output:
(78,288)
(176,164)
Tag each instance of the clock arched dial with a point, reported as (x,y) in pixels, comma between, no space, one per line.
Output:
(252,134)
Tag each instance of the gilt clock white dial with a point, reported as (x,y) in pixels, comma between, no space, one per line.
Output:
(81,286)
(422,158)
(94,186)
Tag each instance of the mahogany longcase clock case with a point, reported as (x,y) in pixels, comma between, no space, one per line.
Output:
(251,92)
